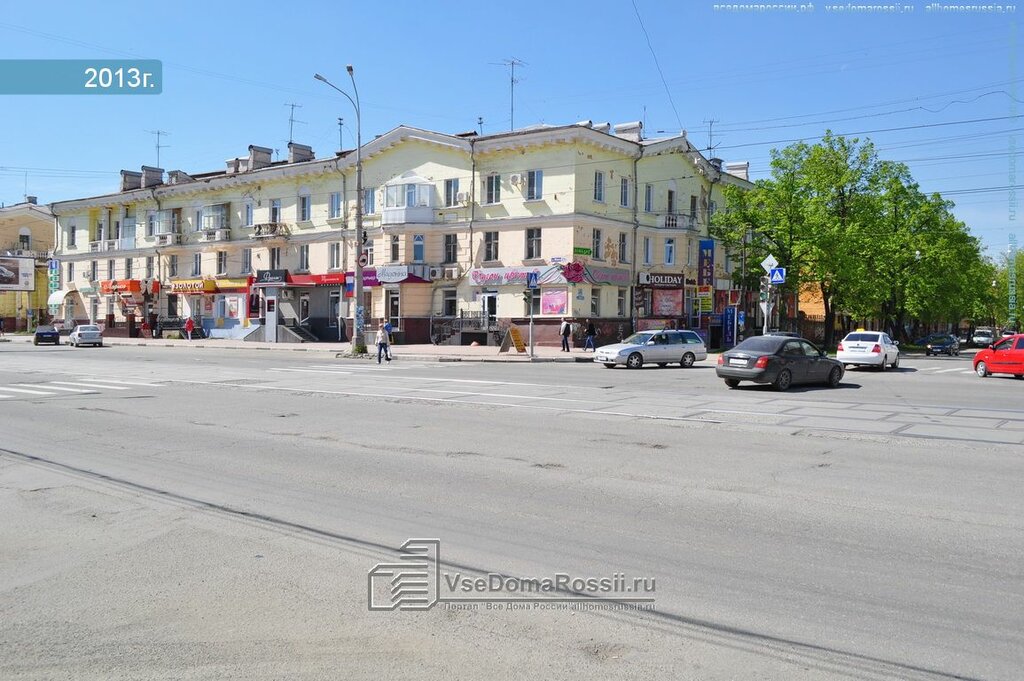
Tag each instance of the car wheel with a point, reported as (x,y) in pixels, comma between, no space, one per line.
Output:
(688,360)
(883,366)
(56,342)
(663,364)
(981,369)
(896,363)
(834,377)
(927,353)
(732,382)
(35,341)
(635,361)
(783,380)
(1018,375)
(100,344)
(609,365)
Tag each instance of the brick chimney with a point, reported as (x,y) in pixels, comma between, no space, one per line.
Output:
(31,199)
(632,131)
(297,153)
(740,169)
(178,177)
(130,180)
(259,157)
(152,177)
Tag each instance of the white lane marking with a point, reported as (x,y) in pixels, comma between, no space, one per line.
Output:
(27,392)
(55,387)
(310,371)
(118,382)
(946,371)
(91,385)
(4,397)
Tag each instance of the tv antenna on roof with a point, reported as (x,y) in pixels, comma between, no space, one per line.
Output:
(292,120)
(710,122)
(159,146)
(512,64)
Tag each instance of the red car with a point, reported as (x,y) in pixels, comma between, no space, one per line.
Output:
(1004,357)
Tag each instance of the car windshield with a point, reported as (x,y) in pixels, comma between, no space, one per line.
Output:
(863,337)
(638,339)
(761,344)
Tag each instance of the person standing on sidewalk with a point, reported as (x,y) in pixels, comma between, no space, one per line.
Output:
(189,327)
(383,342)
(564,332)
(591,333)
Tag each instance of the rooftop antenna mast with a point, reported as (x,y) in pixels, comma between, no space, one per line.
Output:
(159,146)
(511,64)
(292,120)
(711,122)
(480,124)
(341,128)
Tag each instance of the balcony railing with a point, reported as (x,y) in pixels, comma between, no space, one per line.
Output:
(677,221)
(168,238)
(269,230)
(16,250)
(103,245)
(215,235)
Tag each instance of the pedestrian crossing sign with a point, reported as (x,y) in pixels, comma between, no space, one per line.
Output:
(777,275)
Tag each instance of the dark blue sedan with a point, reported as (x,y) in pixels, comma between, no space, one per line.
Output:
(45,334)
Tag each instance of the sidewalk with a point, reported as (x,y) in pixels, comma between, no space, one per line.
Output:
(426,352)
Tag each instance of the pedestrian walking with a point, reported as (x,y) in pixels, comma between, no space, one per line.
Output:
(591,334)
(564,331)
(1,326)
(189,327)
(383,343)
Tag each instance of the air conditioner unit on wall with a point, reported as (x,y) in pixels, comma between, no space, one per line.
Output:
(451,272)
(516,178)
(462,197)
(436,273)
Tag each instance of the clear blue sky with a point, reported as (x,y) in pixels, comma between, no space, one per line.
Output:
(766,78)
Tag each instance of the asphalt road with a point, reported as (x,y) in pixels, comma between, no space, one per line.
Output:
(186,513)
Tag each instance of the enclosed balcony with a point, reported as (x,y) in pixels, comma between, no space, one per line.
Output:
(408,198)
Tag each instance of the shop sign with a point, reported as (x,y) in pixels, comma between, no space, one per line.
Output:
(110,286)
(231,284)
(581,250)
(272,277)
(607,275)
(667,302)
(706,262)
(193,286)
(554,301)
(508,276)
(656,279)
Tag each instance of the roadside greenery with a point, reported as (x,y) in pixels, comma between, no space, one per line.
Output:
(860,232)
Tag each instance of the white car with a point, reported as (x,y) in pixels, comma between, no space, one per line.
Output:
(868,348)
(86,334)
(654,347)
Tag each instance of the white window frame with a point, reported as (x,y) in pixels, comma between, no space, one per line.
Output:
(534,243)
(197,264)
(304,258)
(491,240)
(222,262)
(599,186)
(275,210)
(451,248)
(274,258)
(246,260)
(624,192)
(624,247)
(304,210)
(129,267)
(369,200)
(620,303)
(493,189)
(648,198)
(597,252)
(648,250)
(172,265)
(419,248)
(595,301)
(247,214)
(395,248)
(670,251)
(534,185)
(451,192)
(334,255)
(334,206)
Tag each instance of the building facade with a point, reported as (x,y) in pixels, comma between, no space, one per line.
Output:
(612,226)
(26,242)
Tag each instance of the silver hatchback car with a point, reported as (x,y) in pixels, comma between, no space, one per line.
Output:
(654,347)
(86,334)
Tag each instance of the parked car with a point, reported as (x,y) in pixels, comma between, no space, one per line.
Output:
(1004,357)
(941,344)
(779,360)
(86,334)
(45,334)
(983,338)
(790,334)
(868,348)
(654,347)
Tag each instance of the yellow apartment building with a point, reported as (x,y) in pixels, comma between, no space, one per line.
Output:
(26,242)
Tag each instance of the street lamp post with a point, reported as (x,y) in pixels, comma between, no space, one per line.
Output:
(358,335)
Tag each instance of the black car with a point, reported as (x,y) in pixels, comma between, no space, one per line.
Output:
(45,334)
(941,344)
(779,360)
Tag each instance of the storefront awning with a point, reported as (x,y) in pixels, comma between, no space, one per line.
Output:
(57,297)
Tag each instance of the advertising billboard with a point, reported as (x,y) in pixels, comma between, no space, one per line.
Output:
(17,274)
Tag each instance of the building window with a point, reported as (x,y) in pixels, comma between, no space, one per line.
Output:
(451,192)
(595,302)
(215,217)
(534,185)
(247,217)
(620,302)
(110,269)
(392,308)
(304,258)
(93,270)
(599,186)
(149,267)
(407,195)
(670,251)
(490,246)
(712,207)
(275,210)
(71,272)
(647,250)
(334,205)
(222,262)
(197,224)
(197,264)
(595,245)
(670,204)
(334,256)
(369,201)
(693,207)
(395,244)
(533,243)
(172,265)
(275,258)
(129,267)
(369,252)
(624,192)
(493,191)
(451,248)
(623,247)
(648,198)
(304,208)
(690,247)
(246,260)
(334,304)
(72,234)
(418,248)
(449,303)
